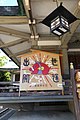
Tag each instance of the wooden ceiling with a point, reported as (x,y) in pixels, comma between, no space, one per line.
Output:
(20,33)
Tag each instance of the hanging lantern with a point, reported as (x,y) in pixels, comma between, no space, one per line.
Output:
(59,20)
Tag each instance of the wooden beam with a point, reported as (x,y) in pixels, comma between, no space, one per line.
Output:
(66,38)
(49,48)
(26,4)
(13,20)
(49,43)
(13,43)
(27,7)
(48,37)
(9,52)
(20,53)
(32,23)
(13,32)
(35,29)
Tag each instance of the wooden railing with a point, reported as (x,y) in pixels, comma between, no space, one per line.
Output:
(10,88)
(77,78)
(76,91)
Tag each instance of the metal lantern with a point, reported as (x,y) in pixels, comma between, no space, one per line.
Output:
(59,25)
(59,20)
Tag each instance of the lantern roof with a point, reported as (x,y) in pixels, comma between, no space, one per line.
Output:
(59,11)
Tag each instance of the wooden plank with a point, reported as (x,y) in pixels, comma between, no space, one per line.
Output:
(13,32)
(13,43)
(33,98)
(13,20)
(33,51)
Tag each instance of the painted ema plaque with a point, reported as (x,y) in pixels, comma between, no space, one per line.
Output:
(40,71)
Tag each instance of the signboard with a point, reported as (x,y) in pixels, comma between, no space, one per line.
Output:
(40,71)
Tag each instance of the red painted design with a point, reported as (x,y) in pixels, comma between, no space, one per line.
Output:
(40,68)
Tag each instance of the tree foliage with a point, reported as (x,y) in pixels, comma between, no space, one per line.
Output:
(4,75)
(3,60)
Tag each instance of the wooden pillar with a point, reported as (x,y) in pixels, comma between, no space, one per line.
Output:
(71,106)
(12,78)
(65,60)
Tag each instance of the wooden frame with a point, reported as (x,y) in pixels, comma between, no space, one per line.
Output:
(40,71)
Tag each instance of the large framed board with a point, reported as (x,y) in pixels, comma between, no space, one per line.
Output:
(40,70)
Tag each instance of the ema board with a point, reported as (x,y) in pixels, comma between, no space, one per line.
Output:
(40,71)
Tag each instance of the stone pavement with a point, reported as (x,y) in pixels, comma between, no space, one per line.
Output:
(42,115)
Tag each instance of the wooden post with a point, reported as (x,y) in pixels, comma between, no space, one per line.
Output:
(19,89)
(74,88)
